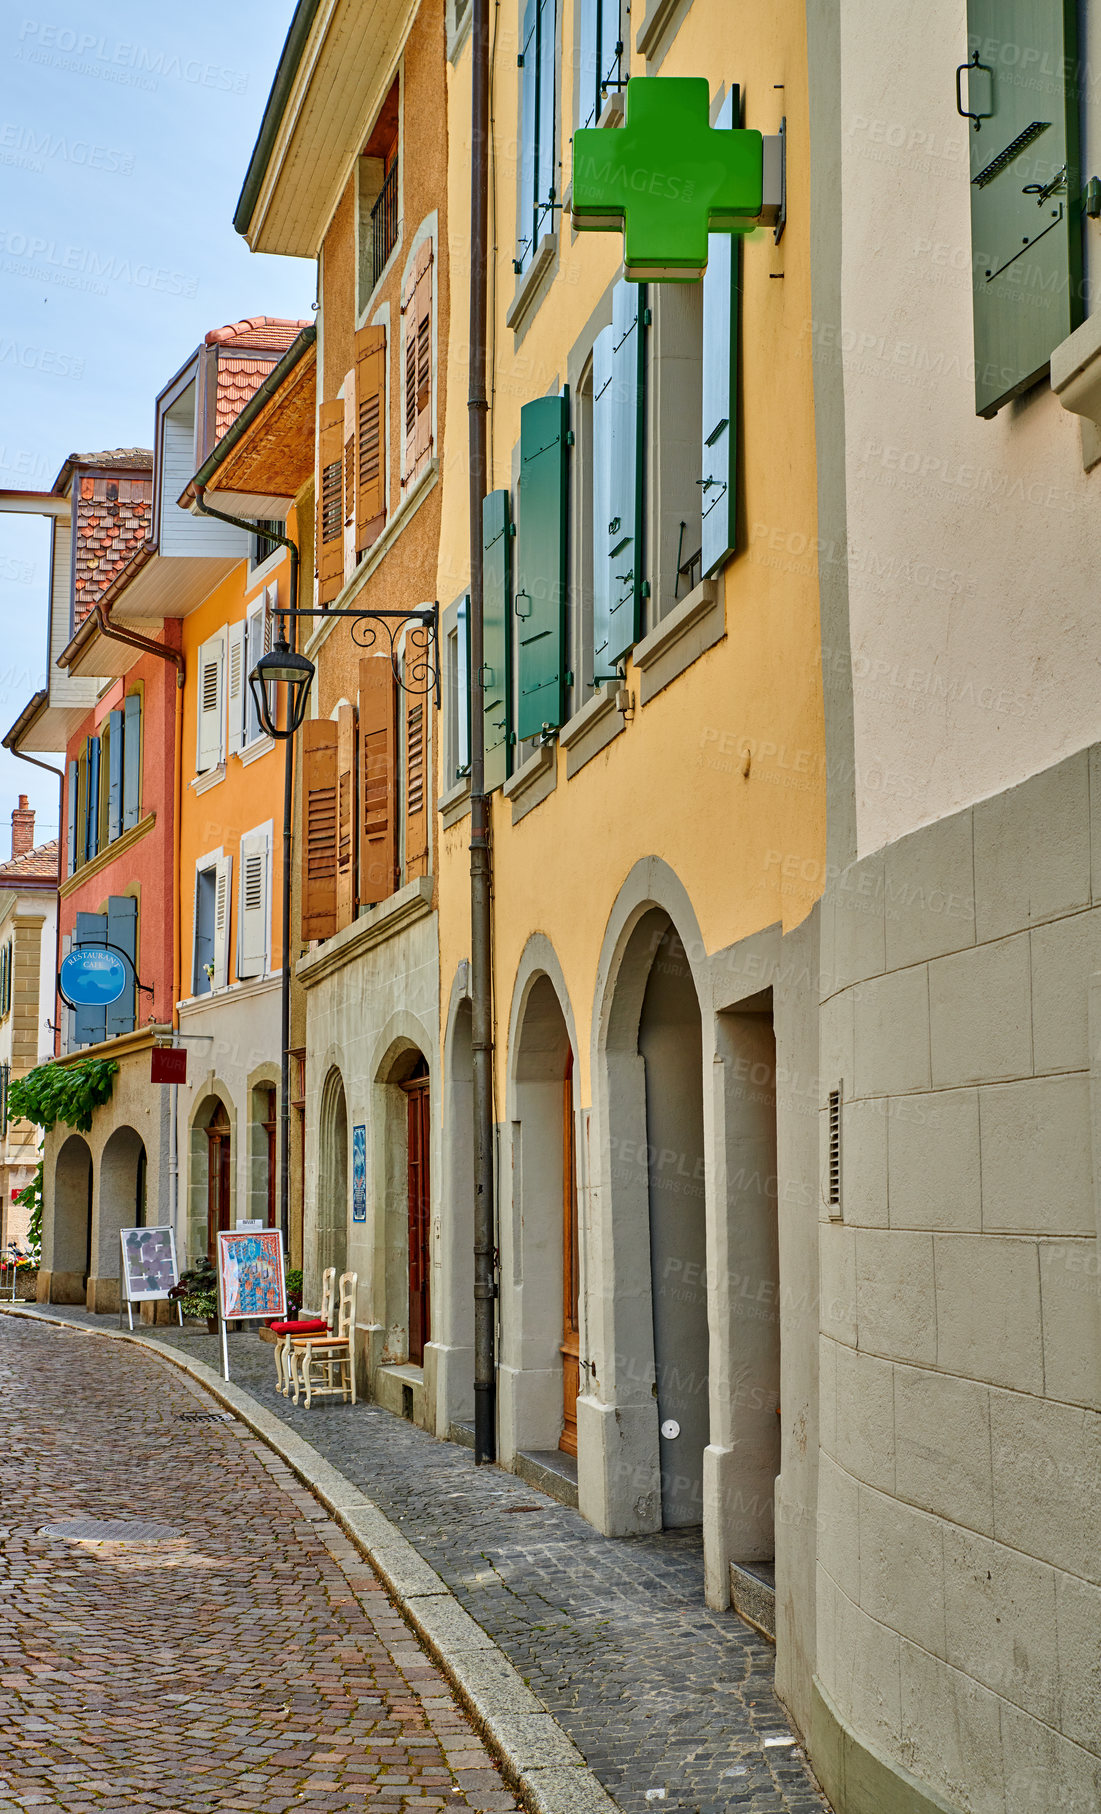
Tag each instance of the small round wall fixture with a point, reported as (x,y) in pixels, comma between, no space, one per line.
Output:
(281,667)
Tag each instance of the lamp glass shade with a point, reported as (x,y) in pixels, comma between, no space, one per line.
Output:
(280,668)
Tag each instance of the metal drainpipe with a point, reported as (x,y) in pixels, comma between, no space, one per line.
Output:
(134,640)
(289,632)
(481,931)
(60,773)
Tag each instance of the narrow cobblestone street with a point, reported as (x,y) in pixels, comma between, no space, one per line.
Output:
(241,1657)
(670,1704)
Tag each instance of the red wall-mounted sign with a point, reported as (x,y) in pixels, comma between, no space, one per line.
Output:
(169,1064)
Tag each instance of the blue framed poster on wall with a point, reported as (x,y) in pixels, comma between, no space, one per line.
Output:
(359,1174)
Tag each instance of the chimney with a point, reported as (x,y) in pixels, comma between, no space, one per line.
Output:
(22,828)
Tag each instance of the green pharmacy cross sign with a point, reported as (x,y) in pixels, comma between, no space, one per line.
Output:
(667,178)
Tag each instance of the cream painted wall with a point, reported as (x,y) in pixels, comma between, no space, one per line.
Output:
(973,546)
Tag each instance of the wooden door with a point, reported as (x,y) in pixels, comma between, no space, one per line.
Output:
(217,1177)
(419,1217)
(571,1271)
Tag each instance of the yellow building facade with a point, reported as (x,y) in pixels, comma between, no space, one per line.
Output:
(657,847)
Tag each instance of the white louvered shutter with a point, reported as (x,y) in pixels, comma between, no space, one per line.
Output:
(236,687)
(211,740)
(254,912)
(223,875)
(257,643)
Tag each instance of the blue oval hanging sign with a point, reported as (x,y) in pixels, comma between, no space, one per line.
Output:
(92,977)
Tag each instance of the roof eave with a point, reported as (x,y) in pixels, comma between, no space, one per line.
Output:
(286,73)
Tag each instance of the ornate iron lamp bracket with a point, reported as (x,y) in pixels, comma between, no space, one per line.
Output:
(419,672)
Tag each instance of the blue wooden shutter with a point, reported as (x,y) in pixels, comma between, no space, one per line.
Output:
(90,1024)
(529,87)
(1026,249)
(496,635)
(74,785)
(718,491)
(122,932)
(540,601)
(91,800)
(131,765)
(619,418)
(115,736)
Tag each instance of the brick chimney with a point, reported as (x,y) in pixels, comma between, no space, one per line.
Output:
(22,828)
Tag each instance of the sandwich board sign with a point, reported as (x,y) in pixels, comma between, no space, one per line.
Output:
(251,1279)
(149,1269)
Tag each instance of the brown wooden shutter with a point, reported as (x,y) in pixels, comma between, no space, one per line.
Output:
(330,503)
(409,392)
(370,435)
(378,860)
(346,815)
(417,781)
(423,310)
(319,842)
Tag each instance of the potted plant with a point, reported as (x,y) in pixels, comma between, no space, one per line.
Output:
(198,1292)
(294,1293)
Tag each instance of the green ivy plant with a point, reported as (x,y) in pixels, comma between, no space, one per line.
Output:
(58,1092)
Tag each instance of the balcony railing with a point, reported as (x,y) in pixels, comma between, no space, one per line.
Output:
(384,223)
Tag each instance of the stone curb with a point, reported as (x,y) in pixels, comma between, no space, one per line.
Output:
(537,1757)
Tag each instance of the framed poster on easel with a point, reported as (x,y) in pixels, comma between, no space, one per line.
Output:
(148,1269)
(251,1278)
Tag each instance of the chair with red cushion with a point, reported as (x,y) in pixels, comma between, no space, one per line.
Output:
(325,1364)
(310,1325)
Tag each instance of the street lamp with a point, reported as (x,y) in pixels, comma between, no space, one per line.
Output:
(281,667)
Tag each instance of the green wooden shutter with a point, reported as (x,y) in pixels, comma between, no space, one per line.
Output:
(90,1024)
(718,487)
(540,601)
(619,423)
(496,635)
(461,691)
(122,932)
(1026,248)
(74,787)
(131,764)
(91,800)
(114,774)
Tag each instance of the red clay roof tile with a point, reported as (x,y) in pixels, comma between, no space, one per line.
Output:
(113,517)
(38,865)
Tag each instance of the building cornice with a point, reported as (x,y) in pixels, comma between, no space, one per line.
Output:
(96,865)
(373,928)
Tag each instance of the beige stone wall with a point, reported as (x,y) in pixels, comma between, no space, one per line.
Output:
(959,1580)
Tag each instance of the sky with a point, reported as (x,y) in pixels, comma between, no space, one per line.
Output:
(125,133)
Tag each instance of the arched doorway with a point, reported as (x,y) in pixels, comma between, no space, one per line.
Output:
(332,1195)
(670,1044)
(219,1175)
(418,1142)
(541,1317)
(120,1203)
(72,1222)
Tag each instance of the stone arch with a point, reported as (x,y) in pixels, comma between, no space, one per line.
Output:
(331,1231)
(403,1057)
(649,1331)
(71,1222)
(538,1216)
(119,1202)
(210,1192)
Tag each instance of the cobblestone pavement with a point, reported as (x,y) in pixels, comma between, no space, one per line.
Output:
(670,1704)
(241,1657)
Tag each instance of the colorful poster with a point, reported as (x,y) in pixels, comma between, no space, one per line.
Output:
(250,1273)
(359,1174)
(148,1263)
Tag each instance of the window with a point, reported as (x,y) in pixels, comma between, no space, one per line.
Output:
(211,731)
(5,1082)
(457,639)
(600,56)
(258,633)
(210,961)
(1023,138)
(265,541)
(674,441)
(118,928)
(417,361)
(458,18)
(104,784)
(378,198)
(5,980)
(618,459)
(254,905)
(538,114)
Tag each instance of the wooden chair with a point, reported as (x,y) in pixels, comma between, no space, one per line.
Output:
(333,1356)
(321,1324)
